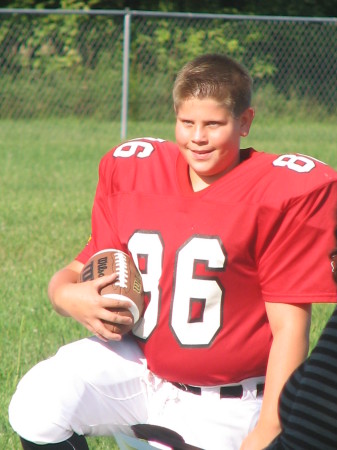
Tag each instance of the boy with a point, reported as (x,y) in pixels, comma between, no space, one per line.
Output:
(233,248)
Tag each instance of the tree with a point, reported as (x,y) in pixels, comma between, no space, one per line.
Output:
(309,8)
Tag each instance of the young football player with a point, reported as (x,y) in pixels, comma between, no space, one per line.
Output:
(233,247)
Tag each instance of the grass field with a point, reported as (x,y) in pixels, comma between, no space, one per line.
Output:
(48,177)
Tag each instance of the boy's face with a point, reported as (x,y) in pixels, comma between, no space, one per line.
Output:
(208,137)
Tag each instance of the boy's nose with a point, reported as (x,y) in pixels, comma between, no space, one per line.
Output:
(199,134)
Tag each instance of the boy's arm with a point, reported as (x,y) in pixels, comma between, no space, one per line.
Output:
(82,301)
(290,325)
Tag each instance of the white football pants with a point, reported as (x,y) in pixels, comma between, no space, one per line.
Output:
(98,389)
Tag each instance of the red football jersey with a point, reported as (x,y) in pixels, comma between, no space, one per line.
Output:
(211,259)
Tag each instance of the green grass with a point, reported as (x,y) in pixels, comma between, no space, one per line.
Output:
(48,176)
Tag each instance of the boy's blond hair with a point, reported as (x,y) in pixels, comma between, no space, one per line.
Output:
(214,76)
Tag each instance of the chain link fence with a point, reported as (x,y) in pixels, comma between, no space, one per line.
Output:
(120,65)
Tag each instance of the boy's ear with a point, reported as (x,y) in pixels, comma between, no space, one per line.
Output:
(246,120)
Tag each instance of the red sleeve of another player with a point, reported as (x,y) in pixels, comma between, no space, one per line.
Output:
(294,264)
(103,234)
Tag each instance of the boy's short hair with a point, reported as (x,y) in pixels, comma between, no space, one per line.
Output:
(214,76)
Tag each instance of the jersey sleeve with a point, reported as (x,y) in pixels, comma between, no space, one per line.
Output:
(293,261)
(103,234)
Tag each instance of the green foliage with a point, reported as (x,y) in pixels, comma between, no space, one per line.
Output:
(311,8)
(54,53)
(52,43)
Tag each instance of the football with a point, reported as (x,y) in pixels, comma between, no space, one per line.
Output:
(128,285)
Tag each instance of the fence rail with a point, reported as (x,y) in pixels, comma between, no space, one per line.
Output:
(119,65)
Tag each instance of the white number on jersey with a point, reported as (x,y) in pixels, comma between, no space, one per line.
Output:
(150,246)
(298,163)
(138,147)
(189,290)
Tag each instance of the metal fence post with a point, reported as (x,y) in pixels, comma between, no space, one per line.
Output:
(125,78)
